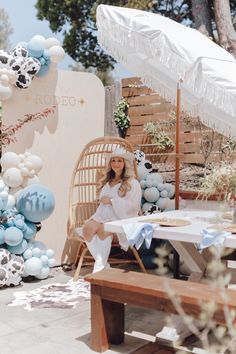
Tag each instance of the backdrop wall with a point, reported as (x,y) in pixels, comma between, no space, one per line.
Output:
(58,139)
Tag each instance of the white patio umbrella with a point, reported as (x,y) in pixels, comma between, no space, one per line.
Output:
(166,56)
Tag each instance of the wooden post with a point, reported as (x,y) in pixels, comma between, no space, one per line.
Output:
(177,149)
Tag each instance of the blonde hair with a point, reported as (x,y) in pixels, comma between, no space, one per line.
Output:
(126,175)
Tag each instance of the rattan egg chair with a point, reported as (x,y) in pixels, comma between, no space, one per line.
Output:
(83,199)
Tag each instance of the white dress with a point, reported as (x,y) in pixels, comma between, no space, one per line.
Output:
(122,207)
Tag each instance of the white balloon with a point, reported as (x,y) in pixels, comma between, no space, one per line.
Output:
(21,156)
(40,40)
(57,54)
(24,171)
(13,177)
(28,164)
(31,173)
(5,92)
(9,159)
(30,180)
(10,202)
(36,162)
(4,79)
(51,41)
(27,153)
(12,76)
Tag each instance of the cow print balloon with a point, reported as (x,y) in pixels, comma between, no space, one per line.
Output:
(32,66)
(5,58)
(20,51)
(23,81)
(4,276)
(5,257)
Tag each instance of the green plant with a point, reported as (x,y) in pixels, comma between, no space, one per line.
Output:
(158,136)
(121,118)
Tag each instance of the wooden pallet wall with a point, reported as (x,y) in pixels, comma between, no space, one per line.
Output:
(147,106)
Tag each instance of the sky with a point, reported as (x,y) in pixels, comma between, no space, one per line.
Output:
(22,17)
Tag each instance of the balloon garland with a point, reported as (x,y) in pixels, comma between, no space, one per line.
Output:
(24,203)
(157,195)
(27,60)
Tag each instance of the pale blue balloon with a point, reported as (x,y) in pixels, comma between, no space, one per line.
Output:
(27,254)
(36,252)
(49,253)
(163,203)
(46,54)
(18,249)
(10,222)
(42,61)
(23,44)
(30,230)
(44,260)
(151,194)
(19,223)
(164,193)
(13,236)
(30,245)
(33,266)
(40,245)
(43,274)
(43,70)
(35,49)
(51,262)
(2,235)
(168,187)
(35,202)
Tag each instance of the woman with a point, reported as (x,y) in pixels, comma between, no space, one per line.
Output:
(119,198)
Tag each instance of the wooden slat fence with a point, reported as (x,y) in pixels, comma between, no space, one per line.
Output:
(147,106)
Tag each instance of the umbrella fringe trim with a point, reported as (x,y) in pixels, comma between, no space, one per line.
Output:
(111,36)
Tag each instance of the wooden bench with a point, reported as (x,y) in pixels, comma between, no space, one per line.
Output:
(111,289)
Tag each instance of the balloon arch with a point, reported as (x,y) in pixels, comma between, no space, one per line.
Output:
(24,202)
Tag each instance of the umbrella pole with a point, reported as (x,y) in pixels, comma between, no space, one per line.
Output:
(177,149)
(176,272)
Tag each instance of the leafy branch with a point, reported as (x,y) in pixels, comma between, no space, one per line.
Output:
(7,134)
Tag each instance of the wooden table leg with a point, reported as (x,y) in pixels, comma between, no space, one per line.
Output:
(176,264)
(107,321)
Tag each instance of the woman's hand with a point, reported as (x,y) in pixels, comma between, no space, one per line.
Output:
(105,200)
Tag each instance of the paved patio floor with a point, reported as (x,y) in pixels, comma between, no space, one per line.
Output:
(64,331)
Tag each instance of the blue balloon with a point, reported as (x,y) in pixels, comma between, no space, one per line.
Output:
(30,230)
(35,202)
(2,235)
(19,223)
(46,54)
(13,236)
(43,70)
(18,249)
(33,266)
(42,61)
(23,44)
(35,50)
